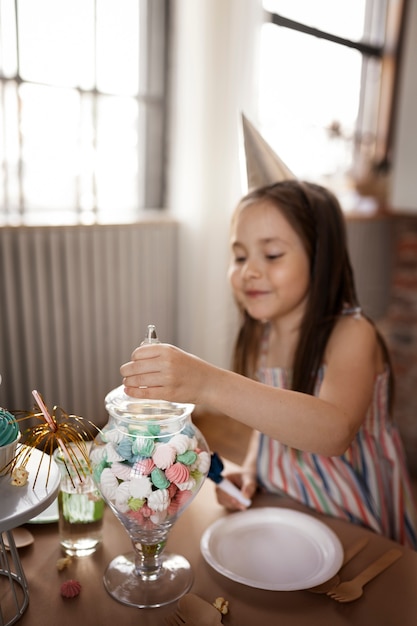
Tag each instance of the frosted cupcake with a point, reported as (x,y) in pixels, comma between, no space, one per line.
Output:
(9,438)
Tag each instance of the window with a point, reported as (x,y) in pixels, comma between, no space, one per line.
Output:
(82,86)
(327,86)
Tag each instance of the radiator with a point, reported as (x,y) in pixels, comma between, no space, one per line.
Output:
(74,302)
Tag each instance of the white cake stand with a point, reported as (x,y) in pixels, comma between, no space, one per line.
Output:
(18,506)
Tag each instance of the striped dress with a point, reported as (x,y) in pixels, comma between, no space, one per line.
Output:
(367,485)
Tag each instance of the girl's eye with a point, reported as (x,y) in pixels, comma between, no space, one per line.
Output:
(240,259)
(272,257)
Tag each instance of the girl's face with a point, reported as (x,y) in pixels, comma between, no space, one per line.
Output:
(269,271)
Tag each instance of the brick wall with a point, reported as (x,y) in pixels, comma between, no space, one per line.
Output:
(400,330)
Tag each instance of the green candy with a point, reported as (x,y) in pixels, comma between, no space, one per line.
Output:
(187,458)
(98,469)
(144,447)
(135,504)
(196,474)
(159,479)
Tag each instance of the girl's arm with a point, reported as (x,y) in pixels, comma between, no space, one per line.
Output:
(325,425)
(249,463)
(244,478)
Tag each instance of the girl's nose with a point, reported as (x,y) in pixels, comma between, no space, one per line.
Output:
(251,269)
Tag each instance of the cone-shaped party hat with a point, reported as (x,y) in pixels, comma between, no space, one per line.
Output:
(263,166)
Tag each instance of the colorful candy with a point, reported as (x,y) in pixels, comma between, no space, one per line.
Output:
(147,475)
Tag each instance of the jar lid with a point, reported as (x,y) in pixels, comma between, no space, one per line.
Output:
(118,403)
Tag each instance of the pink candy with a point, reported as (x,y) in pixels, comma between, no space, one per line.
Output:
(177,473)
(143,467)
(178,501)
(70,589)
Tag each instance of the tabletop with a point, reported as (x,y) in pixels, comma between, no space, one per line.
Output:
(388,600)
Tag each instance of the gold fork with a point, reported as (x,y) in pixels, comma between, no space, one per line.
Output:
(353,589)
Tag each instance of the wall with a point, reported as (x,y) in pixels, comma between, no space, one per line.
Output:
(404,179)
(213,68)
(370,247)
(384,258)
(399,326)
(401,321)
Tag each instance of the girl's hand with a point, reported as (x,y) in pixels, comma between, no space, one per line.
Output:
(245,481)
(164,372)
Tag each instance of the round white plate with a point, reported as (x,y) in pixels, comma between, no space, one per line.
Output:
(20,504)
(47,516)
(272,548)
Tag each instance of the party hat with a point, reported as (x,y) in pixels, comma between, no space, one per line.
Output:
(263,166)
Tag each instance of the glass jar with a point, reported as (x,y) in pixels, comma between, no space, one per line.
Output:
(149,462)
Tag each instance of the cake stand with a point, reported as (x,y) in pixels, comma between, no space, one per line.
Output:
(18,506)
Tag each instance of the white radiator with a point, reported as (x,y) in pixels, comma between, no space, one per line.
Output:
(74,302)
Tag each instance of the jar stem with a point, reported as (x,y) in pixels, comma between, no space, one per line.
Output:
(148,558)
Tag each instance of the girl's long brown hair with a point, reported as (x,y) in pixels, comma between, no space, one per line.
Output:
(316,216)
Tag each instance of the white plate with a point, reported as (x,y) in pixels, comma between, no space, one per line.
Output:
(47,516)
(272,548)
(20,504)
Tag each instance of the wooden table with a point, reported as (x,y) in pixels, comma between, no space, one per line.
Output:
(389,600)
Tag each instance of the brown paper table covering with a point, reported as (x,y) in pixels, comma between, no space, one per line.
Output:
(389,600)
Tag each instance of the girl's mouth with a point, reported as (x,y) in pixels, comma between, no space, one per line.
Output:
(255,293)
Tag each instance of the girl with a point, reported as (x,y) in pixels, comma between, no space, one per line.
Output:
(311,373)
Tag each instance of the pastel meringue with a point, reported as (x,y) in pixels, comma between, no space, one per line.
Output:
(164,455)
(146,473)
(177,473)
(70,589)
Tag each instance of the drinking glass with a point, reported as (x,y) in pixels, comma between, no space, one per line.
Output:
(80,506)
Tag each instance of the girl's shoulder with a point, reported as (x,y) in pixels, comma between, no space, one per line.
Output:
(352,321)
(356,336)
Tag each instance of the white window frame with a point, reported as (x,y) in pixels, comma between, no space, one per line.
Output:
(151,100)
